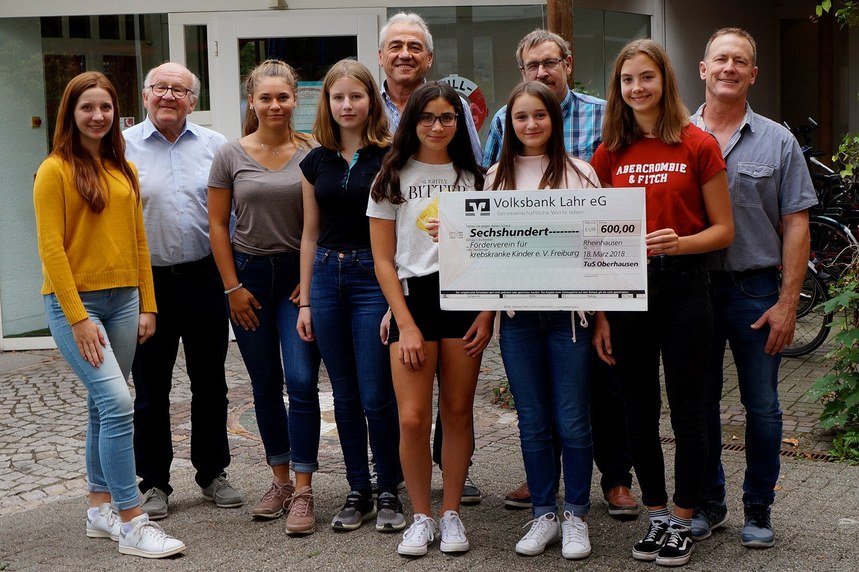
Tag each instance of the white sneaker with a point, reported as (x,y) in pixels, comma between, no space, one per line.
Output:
(419,535)
(105,523)
(148,540)
(452,533)
(544,531)
(576,542)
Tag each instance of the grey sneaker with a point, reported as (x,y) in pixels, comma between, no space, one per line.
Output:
(389,515)
(154,503)
(221,491)
(708,518)
(470,492)
(355,511)
(758,528)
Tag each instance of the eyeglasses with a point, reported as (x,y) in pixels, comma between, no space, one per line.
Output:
(429,119)
(161,91)
(548,65)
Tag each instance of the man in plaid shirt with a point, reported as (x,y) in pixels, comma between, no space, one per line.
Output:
(545,57)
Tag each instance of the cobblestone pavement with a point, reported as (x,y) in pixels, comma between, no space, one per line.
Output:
(43,421)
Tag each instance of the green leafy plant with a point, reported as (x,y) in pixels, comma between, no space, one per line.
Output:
(848,156)
(838,390)
(847,15)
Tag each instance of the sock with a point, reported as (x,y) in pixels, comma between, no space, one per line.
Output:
(680,523)
(660,515)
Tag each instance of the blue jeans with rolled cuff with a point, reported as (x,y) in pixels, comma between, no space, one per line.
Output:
(273,353)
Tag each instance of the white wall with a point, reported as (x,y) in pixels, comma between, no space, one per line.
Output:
(22,149)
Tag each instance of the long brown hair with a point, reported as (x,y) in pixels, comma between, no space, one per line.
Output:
(375,129)
(89,179)
(619,126)
(273,68)
(555,175)
(406,143)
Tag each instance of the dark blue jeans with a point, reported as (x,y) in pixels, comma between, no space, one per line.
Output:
(738,301)
(271,279)
(549,377)
(678,325)
(347,307)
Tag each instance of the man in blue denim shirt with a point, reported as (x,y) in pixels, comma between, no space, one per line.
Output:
(771,192)
(173,156)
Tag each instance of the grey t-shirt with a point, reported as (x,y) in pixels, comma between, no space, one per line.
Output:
(268,204)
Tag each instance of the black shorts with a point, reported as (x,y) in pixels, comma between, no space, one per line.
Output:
(433,322)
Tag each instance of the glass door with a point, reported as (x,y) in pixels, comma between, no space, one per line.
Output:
(222,48)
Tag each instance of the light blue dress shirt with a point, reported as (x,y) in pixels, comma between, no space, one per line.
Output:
(173,187)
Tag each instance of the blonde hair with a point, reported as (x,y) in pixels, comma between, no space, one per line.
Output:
(375,128)
(282,70)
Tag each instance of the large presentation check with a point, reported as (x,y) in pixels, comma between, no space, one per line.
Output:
(580,249)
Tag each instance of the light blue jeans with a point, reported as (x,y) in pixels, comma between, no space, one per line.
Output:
(109,444)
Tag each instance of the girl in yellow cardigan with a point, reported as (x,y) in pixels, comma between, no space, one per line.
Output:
(99,297)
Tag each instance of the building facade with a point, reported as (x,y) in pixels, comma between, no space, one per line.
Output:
(45,43)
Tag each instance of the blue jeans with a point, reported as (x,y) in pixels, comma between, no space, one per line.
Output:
(348,306)
(271,279)
(549,377)
(678,326)
(109,441)
(738,301)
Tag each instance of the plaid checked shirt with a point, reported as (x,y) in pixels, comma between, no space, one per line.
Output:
(583,117)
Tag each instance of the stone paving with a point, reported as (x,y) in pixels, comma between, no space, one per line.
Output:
(43,421)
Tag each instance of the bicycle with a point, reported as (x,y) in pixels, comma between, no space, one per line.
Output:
(812,322)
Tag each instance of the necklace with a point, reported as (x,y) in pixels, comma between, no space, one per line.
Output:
(275,150)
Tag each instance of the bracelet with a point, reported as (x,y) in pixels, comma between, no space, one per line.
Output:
(233,289)
(304,306)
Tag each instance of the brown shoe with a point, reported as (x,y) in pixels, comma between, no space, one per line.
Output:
(621,502)
(519,498)
(301,519)
(275,501)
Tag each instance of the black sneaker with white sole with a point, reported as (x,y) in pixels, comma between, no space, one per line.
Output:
(677,549)
(648,547)
(359,507)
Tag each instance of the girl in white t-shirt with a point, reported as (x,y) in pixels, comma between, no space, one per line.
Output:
(430,153)
(547,354)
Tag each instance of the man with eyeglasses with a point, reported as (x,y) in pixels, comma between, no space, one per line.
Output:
(546,57)
(173,156)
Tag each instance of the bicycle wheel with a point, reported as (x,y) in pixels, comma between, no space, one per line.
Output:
(833,244)
(812,323)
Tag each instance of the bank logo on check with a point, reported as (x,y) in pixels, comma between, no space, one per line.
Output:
(476,207)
